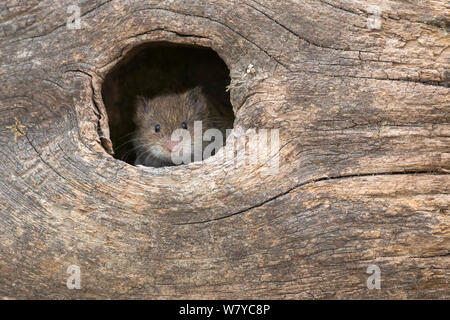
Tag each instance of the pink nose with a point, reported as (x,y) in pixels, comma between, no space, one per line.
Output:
(170,145)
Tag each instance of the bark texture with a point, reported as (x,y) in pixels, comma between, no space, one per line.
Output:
(364,125)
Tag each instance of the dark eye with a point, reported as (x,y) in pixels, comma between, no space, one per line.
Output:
(184,125)
(157,128)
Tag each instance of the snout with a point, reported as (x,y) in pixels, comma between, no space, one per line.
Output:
(171,145)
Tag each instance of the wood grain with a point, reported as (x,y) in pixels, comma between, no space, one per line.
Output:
(363,116)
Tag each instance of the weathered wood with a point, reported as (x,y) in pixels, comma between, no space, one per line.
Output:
(364,124)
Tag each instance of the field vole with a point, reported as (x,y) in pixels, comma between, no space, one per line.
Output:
(157,118)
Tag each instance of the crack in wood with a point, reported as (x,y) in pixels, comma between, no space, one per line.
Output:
(280,195)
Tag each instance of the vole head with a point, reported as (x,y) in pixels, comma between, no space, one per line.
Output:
(156,119)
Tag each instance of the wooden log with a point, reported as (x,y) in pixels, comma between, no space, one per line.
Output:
(361,102)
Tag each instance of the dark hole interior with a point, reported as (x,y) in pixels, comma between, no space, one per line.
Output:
(157,69)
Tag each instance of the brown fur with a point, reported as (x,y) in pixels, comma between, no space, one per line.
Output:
(169,111)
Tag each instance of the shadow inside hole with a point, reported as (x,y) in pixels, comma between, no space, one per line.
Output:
(160,68)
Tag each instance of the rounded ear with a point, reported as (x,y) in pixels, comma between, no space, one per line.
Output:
(141,104)
(140,108)
(197,99)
